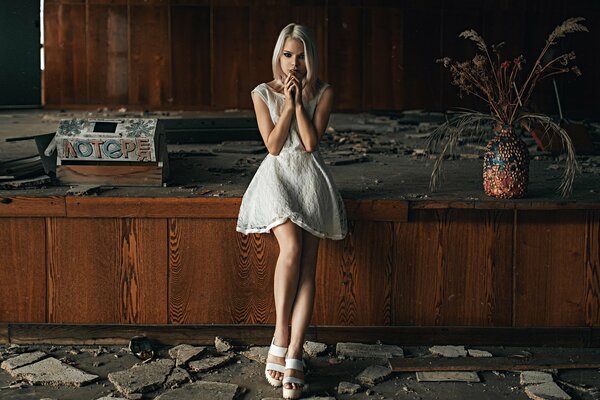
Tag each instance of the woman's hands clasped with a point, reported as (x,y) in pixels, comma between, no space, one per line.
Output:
(292,88)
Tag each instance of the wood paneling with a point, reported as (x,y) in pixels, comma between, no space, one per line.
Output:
(65,75)
(150,60)
(453,267)
(383,72)
(352,270)
(219,276)
(230,58)
(550,274)
(190,51)
(108,53)
(22,266)
(591,259)
(107,270)
(344,65)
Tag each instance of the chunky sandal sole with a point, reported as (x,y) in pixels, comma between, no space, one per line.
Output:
(276,351)
(298,365)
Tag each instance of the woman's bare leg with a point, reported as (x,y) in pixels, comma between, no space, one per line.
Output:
(287,272)
(303,305)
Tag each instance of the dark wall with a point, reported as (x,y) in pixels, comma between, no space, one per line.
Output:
(20,74)
(379,55)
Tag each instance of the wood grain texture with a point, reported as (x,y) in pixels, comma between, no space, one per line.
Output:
(231,83)
(190,51)
(149,55)
(345,35)
(454,267)
(591,259)
(354,277)
(65,76)
(108,53)
(107,270)
(383,72)
(155,207)
(22,270)
(145,174)
(550,273)
(14,206)
(219,276)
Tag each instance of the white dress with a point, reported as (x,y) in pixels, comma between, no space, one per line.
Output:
(294,185)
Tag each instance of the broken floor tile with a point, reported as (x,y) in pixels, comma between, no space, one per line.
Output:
(51,371)
(222,345)
(546,391)
(142,378)
(449,351)
(360,350)
(347,388)
(534,377)
(256,353)
(184,353)
(441,376)
(313,349)
(203,390)
(176,377)
(21,360)
(111,398)
(479,353)
(209,363)
(373,374)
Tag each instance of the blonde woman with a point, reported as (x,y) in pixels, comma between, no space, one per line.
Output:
(293,195)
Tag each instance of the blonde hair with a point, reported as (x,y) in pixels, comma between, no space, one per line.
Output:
(303,34)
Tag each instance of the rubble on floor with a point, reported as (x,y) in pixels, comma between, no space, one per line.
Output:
(358,371)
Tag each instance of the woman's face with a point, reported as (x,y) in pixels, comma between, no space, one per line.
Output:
(293,59)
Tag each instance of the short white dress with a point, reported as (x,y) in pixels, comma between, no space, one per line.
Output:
(294,185)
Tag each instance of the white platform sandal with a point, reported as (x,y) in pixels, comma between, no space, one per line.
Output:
(296,375)
(279,352)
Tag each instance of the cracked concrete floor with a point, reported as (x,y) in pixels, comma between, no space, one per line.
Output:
(323,377)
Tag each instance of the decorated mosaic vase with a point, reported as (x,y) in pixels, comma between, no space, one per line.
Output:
(506,165)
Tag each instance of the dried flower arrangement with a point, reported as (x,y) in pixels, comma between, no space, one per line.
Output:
(496,82)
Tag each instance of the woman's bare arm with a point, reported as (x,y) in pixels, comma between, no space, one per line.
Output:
(274,136)
(311,132)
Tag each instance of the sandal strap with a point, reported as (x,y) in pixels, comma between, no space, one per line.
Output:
(291,379)
(293,363)
(275,367)
(277,351)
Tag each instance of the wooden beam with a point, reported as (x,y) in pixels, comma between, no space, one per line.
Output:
(494,363)
(29,206)
(262,334)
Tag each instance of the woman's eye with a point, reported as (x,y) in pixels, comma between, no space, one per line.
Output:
(288,55)
(302,57)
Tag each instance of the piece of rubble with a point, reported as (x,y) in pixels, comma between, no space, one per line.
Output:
(176,377)
(313,349)
(111,398)
(447,376)
(209,363)
(22,360)
(449,351)
(203,390)
(142,378)
(479,353)
(535,377)
(348,388)
(361,350)
(184,353)
(222,345)
(51,371)
(256,353)
(373,374)
(546,391)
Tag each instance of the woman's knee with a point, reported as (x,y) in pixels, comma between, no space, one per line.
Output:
(289,238)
